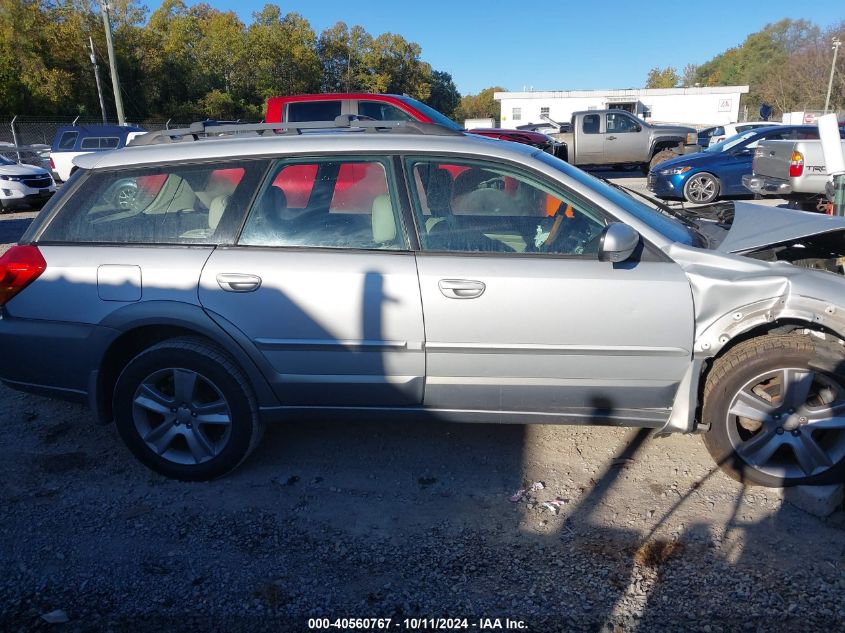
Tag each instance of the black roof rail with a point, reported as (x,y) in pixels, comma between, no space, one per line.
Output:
(342,123)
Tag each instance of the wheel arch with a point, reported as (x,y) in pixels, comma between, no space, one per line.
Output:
(689,399)
(137,327)
(658,145)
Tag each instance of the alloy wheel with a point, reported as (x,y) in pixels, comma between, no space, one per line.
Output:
(182,416)
(789,422)
(701,189)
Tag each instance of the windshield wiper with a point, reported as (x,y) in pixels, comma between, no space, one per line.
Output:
(681,215)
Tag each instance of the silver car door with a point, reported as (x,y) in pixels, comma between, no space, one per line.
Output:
(589,144)
(625,140)
(519,313)
(323,284)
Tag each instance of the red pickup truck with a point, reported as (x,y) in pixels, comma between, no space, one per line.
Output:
(383,107)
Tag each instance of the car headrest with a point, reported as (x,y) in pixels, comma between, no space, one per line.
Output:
(384,223)
(215,211)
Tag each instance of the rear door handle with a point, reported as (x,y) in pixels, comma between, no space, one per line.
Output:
(237,282)
(461,288)
(611,138)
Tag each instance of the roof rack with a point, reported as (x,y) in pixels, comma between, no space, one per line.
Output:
(343,123)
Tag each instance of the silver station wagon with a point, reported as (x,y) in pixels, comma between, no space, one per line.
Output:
(193,289)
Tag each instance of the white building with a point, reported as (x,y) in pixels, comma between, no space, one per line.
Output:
(715,105)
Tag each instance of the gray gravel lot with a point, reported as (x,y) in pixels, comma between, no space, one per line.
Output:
(335,520)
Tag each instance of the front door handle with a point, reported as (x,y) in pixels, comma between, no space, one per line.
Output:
(461,288)
(237,282)
(611,138)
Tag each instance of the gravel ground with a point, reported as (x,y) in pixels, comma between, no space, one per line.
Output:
(402,521)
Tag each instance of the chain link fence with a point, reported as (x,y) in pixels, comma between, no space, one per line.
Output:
(31,130)
(27,139)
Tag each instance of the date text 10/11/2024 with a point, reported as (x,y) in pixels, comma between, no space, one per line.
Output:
(417,624)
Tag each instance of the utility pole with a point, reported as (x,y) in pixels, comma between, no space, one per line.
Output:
(115,82)
(836,44)
(97,79)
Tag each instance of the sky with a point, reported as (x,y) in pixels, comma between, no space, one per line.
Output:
(556,45)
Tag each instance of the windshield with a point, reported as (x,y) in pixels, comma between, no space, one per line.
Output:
(431,113)
(659,220)
(731,141)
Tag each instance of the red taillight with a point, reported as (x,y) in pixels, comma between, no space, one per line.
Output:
(19,267)
(796,165)
(52,164)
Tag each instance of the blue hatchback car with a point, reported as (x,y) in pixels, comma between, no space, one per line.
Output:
(717,171)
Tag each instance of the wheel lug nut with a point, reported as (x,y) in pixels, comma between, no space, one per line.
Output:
(802,420)
(796,432)
(194,414)
(779,430)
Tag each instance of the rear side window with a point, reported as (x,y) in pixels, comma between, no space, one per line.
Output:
(591,124)
(338,203)
(313,111)
(100,142)
(68,140)
(174,204)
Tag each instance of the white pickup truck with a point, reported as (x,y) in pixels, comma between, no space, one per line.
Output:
(793,170)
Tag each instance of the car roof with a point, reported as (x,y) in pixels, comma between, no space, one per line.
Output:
(322,96)
(303,145)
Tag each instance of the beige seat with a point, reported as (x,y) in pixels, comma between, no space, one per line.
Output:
(215,212)
(383,220)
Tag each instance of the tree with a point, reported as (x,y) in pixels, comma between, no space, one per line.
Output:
(688,79)
(392,64)
(282,53)
(341,52)
(480,106)
(666,78)
(444,94)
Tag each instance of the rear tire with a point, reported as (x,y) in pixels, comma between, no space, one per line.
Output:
(186,410)
(771,403)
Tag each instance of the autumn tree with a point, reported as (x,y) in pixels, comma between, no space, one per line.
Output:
(480,106)
(662,78)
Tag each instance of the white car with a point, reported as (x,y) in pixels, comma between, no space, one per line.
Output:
(24,185)
(724,131)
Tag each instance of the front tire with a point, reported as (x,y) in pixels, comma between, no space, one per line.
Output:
(186,410)
(701,188)
(775,408)
(661,156)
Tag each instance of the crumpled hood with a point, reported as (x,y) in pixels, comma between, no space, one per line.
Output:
(22,170)
(755,226)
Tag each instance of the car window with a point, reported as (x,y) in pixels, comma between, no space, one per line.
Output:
(382,111)
(97,142)
(173,204)
(326,203)
(591,124)
(769,136)
(471,206)
(68,140)
(620,123)
(313,111)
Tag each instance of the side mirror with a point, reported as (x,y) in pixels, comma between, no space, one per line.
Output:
(617,243)
(638,128)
